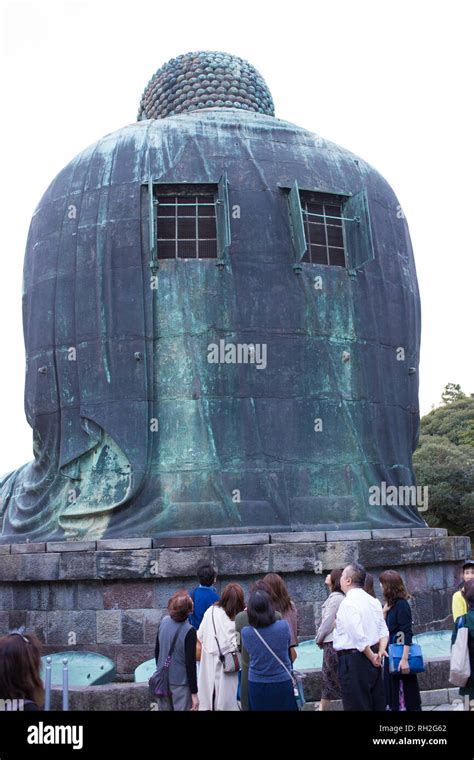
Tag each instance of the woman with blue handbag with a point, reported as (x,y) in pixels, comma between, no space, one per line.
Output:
(401,686)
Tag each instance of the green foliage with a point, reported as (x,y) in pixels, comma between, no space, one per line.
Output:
(452,392)
(455,421)
(444,461)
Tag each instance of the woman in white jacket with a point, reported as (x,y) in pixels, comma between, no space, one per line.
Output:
(330,688)
(218,690)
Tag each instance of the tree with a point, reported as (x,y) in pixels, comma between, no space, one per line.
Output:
(452,392)
(444,461)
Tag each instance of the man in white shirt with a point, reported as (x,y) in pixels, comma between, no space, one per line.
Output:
(360,640)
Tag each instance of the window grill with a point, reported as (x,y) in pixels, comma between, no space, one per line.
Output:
(324,233)
(186,226)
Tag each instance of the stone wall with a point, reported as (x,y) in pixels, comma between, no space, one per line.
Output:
(109,596)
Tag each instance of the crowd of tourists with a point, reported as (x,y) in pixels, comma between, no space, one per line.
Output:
(224,652)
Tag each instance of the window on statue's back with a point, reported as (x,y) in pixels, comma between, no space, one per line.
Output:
(323,229)
(186,226)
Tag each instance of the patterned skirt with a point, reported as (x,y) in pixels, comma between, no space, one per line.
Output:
(330,688)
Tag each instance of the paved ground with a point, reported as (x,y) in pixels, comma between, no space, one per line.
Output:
(436,700)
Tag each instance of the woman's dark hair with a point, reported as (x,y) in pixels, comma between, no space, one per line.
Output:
(260,609)
(20,665)
(369,585)
(393,586)
(468,593)
(279,592)
(180,605)
(232,600)
(335,577)
(260,585)
(206,574)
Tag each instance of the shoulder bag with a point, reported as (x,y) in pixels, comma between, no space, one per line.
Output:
(231,661)
(295,676)
(159,683)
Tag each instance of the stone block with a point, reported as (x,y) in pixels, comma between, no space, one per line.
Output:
(184,562)
(175,542)
(441,603)
(6,596)
(298,537)
(4,548)
(4,622)
(434,697)
(141,563)
(71,546)
(416,578)
(163,590)
(90,596)
(312,684)
(77,565)
(306,625)
(151,621)
(128,594)
(10,567)
(18,619)
(133,627)
(29,548)
(424,679)
(305,587)
(424,532)
(240,539)
(391,533)
(392,552)
(37,623)
(130,656)
(38,567)
(242,560)
(439,673)
(64,623)
(348,535)
(109,626)
(422,607)
(336,554)
(124,544)
(293,558)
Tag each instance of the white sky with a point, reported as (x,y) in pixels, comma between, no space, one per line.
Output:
(391,81)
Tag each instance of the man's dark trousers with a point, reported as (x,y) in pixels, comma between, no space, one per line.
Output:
(361,683)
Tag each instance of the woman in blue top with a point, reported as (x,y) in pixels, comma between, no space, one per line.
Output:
(401,689)
(269,683)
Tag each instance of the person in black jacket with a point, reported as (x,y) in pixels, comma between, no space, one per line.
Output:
(182,670)
(401,689)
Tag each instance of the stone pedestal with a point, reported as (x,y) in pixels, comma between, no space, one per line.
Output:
(109,596)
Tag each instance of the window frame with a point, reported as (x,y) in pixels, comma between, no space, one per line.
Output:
(219,191)
(356,239)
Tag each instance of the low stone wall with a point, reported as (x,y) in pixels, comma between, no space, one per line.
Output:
(135,696)
(109,596)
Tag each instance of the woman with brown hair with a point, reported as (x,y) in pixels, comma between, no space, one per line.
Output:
(20,665)
(401,689)
(176,635)
(330,688)
(218,688)
(283,604)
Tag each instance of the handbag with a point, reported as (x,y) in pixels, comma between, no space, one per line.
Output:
(231,661)
(415,658)
(460,666)
(159,683)
(295,676)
